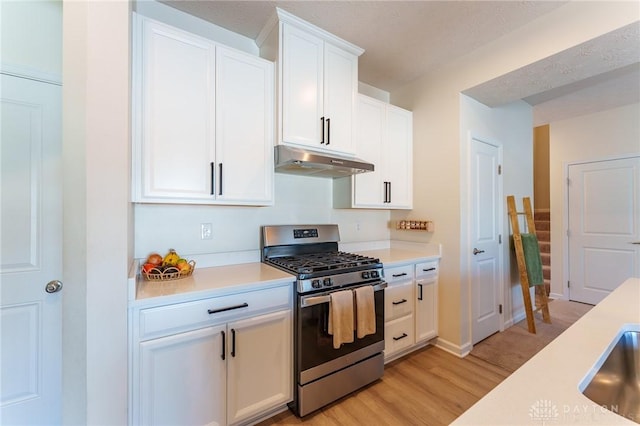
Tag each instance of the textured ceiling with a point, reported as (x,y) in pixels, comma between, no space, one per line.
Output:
(403,40)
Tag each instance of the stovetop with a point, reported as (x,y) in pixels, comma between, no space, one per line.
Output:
(313,263)
(310,252)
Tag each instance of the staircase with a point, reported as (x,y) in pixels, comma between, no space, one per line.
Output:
(543,231)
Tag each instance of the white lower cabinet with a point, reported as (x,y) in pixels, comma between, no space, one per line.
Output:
(229,372)
(182,379)
(411,307)
(259,371)
(426,301)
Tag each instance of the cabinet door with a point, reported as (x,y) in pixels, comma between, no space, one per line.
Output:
(260,368)
(173,140)
(426,308)
(399,157)
(182,379)
(340,90)
(369,187)
(302,88)
(244,128)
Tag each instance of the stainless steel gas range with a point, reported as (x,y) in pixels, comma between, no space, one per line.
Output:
(324,374)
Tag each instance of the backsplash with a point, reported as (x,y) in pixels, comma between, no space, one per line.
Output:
(298,200)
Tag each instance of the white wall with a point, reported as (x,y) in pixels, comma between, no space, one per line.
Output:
(510,127)
(602,135)
(97,215)
(298,200)
(434,100)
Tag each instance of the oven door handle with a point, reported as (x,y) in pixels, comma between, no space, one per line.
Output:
(306,301)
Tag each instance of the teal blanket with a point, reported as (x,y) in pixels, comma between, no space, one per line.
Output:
(532,259)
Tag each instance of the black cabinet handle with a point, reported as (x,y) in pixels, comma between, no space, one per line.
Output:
(224,345)
(220,179)
(401,337)
(400,302)
(233,342)
(399,275)
(228,308)
(420,293)
(387,192)
(429,269)
(328,131)
(213,183)
(322,122)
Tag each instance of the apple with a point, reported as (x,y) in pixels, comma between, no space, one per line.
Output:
(154,259)
(147,267)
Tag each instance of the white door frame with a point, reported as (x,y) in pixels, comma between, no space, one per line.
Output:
(565,212)
(466,237)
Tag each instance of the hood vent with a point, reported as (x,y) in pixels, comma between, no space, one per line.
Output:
(308,163)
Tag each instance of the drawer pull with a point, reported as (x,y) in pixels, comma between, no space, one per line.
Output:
(400,302)
(224,345)
(401,336)
(228,308)
(399,275)
(429,269)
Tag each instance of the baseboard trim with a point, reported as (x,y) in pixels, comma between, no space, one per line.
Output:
(452,348)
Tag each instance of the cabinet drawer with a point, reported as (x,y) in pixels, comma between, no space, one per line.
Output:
(398,301)
(427,269)
(179,317)
(398,334)
(398,274)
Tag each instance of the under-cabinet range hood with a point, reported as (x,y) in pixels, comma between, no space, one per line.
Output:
(301,162)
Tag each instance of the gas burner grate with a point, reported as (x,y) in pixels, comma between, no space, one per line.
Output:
(318,262)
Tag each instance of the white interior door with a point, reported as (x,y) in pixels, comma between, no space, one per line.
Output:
(31,256)
(604,227)
(486,262)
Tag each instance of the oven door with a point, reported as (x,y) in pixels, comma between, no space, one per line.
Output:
(315,355)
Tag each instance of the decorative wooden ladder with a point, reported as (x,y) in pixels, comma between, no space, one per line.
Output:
(542,302)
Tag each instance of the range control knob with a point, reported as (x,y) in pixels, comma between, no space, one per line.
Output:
(316,284)
(365,275)
(374,274)
(328,282)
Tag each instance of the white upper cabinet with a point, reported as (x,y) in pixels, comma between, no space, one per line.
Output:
(244,127)
(203,120)
(384,137)
(318,84)
(302,90)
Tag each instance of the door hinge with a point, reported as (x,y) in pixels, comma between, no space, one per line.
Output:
(499,238)
(568,284)
(568,181)
(568,233)
(499,169)
(500,308)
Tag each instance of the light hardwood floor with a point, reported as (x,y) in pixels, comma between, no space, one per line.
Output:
(427,387)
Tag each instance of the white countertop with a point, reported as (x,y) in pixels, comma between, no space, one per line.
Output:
(221,280)
(207,282)
(545,390)
(396,257)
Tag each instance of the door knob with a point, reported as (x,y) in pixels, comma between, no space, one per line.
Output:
(53,286)
(476,251)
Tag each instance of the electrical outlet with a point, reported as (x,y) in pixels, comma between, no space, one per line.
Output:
(357,226)
(205,231)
